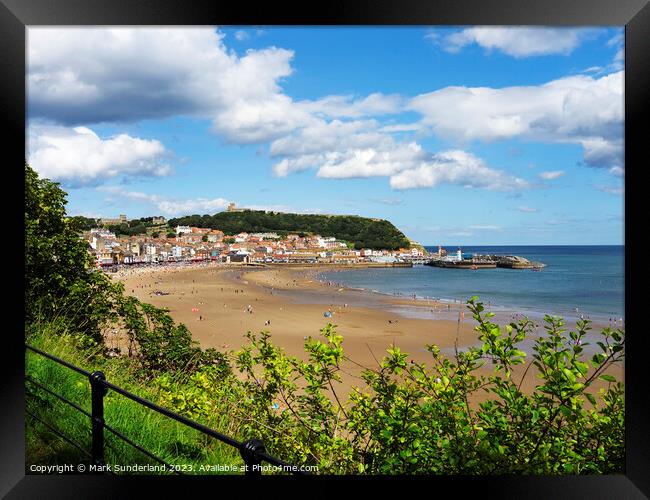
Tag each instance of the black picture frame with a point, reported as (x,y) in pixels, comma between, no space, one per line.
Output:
(16,15)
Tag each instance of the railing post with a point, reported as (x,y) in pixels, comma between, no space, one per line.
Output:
(249,453)
(98,391)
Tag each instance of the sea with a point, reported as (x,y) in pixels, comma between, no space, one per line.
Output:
(578,281)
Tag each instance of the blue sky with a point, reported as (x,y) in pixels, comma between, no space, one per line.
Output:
(458,135)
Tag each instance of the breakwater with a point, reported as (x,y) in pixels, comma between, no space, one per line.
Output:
(487,261)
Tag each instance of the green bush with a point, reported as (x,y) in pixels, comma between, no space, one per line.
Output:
(417,419)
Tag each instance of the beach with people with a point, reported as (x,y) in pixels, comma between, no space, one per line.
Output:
(220,304)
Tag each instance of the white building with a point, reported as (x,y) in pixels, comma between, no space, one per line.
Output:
(183,229)
(330,242)
(150,249)
(265,235)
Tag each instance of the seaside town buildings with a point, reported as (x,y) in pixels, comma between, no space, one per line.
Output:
(200,244)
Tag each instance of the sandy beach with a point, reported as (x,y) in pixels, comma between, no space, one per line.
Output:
(220,304)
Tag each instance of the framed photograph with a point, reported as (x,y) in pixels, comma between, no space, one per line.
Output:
(389,242)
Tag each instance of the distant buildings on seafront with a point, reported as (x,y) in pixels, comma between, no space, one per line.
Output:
(201,244)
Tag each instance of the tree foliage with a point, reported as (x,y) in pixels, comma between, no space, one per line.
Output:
(161,345)
(361,231)
(128,228)
(60,279)
(81,223)
(62,284)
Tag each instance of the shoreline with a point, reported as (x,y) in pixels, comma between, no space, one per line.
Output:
(513,312)
(405,305)
(409,305)
(220,303)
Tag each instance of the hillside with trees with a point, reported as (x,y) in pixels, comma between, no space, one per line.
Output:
(377,234)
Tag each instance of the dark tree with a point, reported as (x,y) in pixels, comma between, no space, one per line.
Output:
(60,279)
(362,232)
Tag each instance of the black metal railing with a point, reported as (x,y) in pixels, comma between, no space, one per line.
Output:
(252,451)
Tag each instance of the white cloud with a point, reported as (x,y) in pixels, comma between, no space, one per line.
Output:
(617,39)
(528,210)
(456,167)
(617,190)
(173,207)
(600,152)
(343,150)
(371,162)
(247,121)
(241,35)
(321,136)
(338,106)
(290,165)
(89,75)
(517,41)
(92,75)
(577,109)
(401,127)
(553,174)
(387,201)
(78,156)
(198,205)
(594,69)
(358,149)
(485,227)
(178,207)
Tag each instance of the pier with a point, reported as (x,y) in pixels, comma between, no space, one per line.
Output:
(478,261)
(463,264)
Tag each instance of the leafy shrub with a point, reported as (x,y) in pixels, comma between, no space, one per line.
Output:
(419,419)
(162,345)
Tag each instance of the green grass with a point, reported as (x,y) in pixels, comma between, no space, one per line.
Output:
(173,442)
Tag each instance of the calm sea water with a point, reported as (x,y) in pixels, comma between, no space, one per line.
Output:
(590,278)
